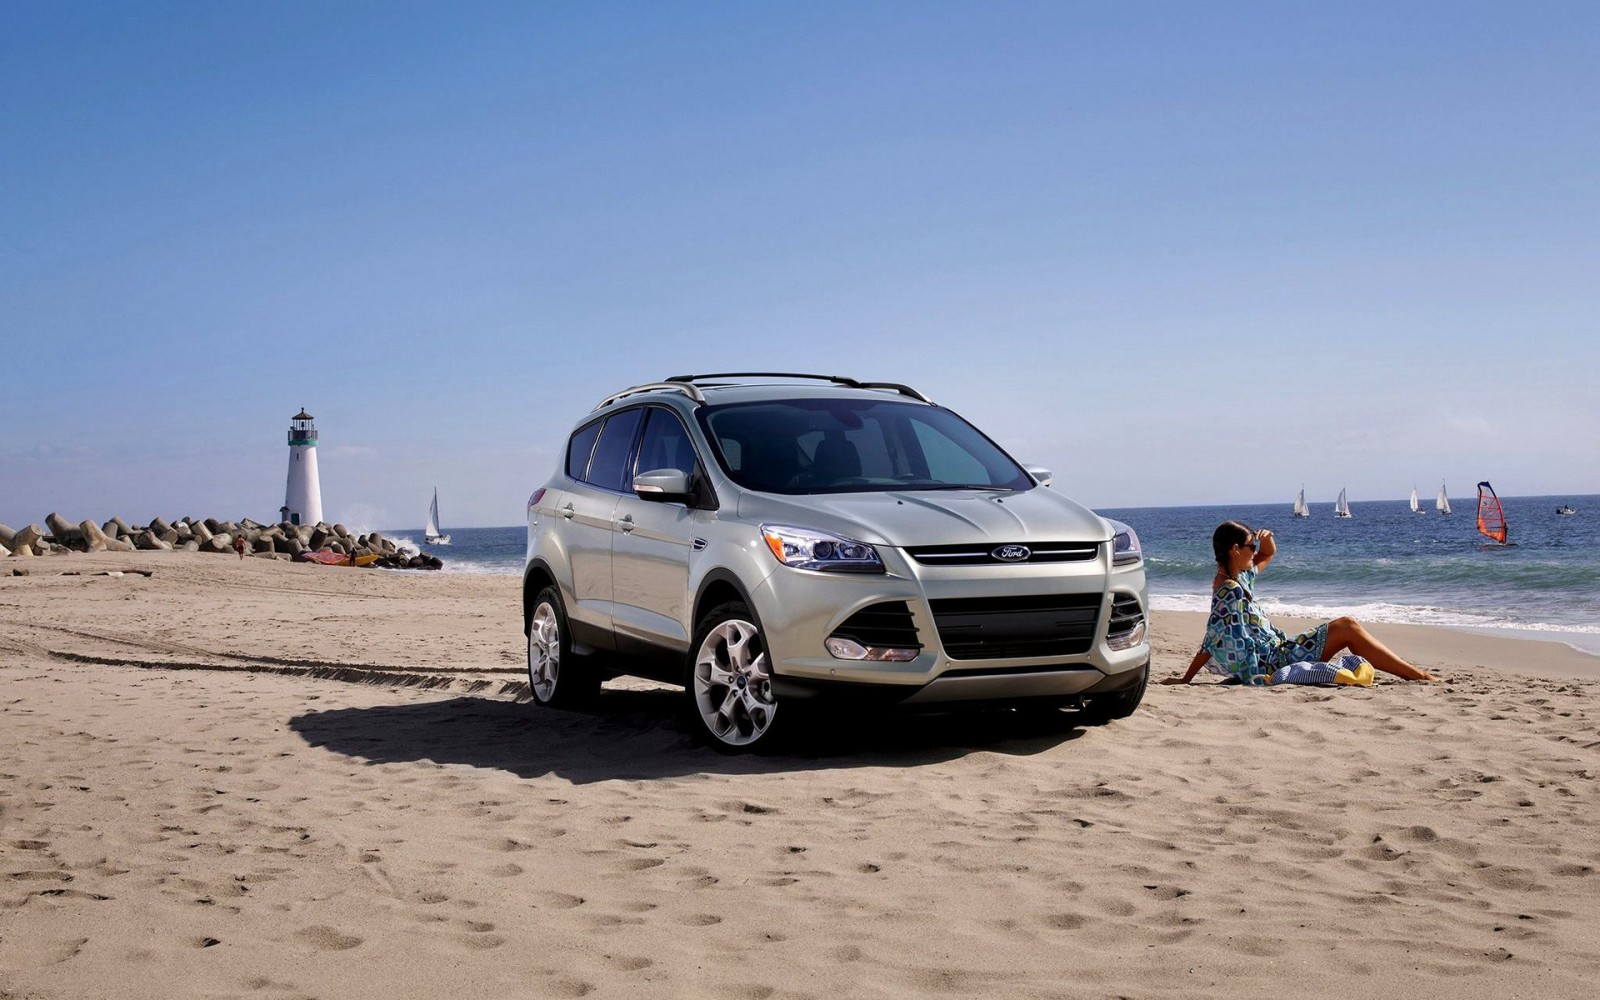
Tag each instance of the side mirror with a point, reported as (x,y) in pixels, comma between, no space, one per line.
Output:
(663,486)
(1043,475)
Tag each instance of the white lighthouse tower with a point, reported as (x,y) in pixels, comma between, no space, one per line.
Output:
(302,501)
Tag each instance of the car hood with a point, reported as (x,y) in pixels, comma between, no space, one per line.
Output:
(934,517)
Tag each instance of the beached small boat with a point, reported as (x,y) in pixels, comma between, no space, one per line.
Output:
(326,558)
(1442,503)
(1300,508)
(1342,508)
(430,534)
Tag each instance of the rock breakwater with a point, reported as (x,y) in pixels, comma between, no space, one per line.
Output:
(60,536)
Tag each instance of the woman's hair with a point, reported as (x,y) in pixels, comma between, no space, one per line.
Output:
(1227,535)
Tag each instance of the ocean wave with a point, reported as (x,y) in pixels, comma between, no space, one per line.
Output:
(482,568)
(1383,611)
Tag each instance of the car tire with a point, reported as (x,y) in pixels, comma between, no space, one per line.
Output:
(730,700)
(1102,708)
(556,676)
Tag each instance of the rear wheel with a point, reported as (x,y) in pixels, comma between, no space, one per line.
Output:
(556,677)
(1117,704)
(730,681)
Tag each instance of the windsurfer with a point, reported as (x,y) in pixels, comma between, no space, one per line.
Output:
(1241,639)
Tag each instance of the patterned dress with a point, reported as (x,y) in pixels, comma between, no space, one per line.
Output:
(1243,642)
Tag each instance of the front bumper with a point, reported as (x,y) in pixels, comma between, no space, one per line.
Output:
(800,609)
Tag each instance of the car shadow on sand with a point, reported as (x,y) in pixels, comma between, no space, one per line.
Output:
(635,735)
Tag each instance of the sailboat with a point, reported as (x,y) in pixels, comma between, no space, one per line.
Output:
(1416,507)
(430,534)
(1491,518)
(1300,508)
(1442,504)
(1342,508)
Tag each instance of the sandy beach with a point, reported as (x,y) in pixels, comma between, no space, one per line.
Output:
(261,779)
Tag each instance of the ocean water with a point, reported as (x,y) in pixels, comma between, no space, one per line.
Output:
(1382,564)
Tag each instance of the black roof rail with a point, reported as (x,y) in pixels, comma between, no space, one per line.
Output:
(904,390)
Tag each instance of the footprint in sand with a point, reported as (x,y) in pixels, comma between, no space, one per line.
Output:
(641,864)
(323,938)
(41,876)
(628,963)
(512,845)
(1065,921)
(560,900)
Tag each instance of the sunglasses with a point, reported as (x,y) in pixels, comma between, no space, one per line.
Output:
(1249,543)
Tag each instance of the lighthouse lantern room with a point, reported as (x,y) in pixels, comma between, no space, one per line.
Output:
(302,503)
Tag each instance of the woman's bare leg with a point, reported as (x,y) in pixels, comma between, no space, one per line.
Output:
(1347,633)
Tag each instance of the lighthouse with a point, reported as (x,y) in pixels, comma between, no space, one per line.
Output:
(302,499)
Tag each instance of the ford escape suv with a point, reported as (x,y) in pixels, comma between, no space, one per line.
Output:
(765,539)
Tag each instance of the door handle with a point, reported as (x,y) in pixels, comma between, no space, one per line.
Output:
(626,523)
(568,511)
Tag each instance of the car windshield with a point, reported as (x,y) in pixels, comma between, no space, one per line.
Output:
(801,446)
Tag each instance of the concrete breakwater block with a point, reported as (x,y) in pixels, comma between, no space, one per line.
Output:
(62,530)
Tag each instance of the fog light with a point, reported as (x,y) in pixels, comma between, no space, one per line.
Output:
(1128,639)
(842,648)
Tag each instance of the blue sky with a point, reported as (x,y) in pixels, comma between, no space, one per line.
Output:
(1179,253)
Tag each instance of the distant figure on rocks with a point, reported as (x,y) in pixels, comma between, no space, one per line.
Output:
(238,544)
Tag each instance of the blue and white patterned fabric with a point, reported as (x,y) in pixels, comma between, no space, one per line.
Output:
(1242,640)
(1309,672)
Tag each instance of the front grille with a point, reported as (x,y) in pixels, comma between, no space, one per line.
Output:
(983,553)
(885,624)
(991,628)
(1125,614)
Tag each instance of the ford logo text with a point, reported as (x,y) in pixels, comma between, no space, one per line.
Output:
(1012,553)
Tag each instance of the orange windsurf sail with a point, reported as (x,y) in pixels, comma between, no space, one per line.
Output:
(1491,519)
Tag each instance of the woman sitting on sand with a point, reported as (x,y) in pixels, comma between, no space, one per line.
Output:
(1245,644)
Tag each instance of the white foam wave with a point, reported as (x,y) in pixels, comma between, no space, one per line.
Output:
(1383,611)
(1578,636)
(482,568)
(405,542)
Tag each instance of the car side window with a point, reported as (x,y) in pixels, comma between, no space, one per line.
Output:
(609,467)
(580,448)
(666,444)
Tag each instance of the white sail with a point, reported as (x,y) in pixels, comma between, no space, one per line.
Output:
(1442,505)
(1300,509)
(1416,507)
(431,533)
(1342,508)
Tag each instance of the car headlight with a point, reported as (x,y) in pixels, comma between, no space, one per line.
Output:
(1125,548)
(806,548)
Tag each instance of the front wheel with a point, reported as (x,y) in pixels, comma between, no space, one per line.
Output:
(1116,705)
(556,677)
(730,681)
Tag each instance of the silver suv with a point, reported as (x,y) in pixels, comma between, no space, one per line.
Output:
(765,539)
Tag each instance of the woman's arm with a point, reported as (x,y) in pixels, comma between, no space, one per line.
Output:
(1195,664)
(1266,548)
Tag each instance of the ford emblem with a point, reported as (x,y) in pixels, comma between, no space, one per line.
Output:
(1012,553)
